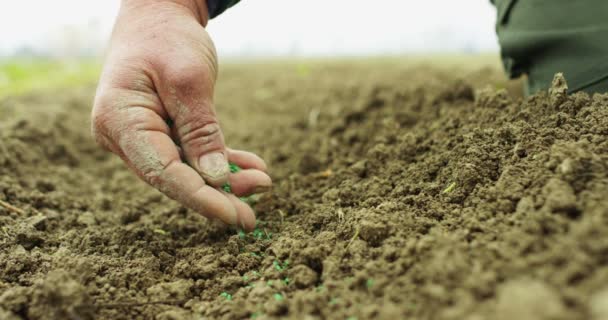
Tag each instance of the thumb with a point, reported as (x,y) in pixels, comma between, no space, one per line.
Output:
(203,145)
(196,128)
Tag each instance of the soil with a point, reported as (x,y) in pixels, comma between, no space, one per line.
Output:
(402,191)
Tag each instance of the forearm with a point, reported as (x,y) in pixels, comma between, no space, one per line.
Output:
(197,8)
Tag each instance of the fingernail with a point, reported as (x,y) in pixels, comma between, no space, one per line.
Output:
(214,165)
(262,189)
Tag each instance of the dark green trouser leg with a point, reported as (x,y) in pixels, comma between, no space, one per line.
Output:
(539,38)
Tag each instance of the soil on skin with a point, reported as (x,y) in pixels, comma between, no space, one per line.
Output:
(401,192)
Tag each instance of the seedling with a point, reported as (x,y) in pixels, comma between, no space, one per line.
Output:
(280,266)
(340,215)
(450,188)
(226,295)
(369,283)
(353,238)
(160,231)
(258,234)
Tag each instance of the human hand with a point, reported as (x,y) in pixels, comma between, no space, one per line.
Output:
(154,108)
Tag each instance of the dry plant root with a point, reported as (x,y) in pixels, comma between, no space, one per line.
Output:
(137,304)
(11,208)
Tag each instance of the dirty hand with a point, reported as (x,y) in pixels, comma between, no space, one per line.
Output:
(154,108)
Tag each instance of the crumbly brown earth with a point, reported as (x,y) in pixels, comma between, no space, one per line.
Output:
(402,191)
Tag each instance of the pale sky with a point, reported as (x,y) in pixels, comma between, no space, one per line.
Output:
(273,27)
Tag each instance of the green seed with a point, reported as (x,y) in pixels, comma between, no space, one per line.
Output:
(234,168)
(450,188)
(369,283)
(226,187)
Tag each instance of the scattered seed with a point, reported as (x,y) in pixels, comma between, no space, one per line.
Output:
(450,188)
(226,295)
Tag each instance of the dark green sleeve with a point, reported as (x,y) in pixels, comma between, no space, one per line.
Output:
(540,38)
(216,7)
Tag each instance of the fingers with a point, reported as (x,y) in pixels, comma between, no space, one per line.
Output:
(249,181)
(142,138)
(245,215)
(246,160)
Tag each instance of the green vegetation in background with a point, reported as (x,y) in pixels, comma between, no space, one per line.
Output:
(21,76)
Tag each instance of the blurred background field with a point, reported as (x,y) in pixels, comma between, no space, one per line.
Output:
(19,76)
(59,44)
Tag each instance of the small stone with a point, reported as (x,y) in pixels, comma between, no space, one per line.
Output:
(38,222)
(560,197)
(558,92)
(176,290)
(526,299)
(303,276)
(373,232)
(29,239)
(598,305)
(176,314)
(359,168)
(87,218)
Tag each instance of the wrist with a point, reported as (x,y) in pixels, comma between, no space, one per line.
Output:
(198,8)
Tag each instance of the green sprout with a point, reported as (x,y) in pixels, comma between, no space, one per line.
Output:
(280,266)
(450,188)
(258,234)
(369,283)
(226,295)
(160,231)
(278,297)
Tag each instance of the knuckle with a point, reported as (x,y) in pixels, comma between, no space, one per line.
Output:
(202,136)
(187,76)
